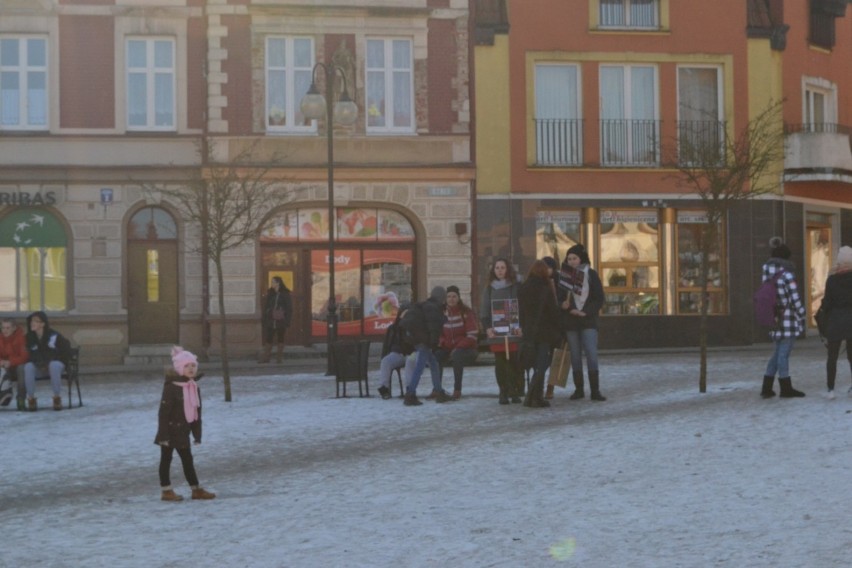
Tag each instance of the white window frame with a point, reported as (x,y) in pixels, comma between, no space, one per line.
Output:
(23,70)
(720,100)
(555,145)
(389,93)
(811,87)
(292,99)
(630,159)
(151,71)
(626,12)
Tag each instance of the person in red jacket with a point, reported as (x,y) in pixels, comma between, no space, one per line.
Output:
(13,355)
(458,344)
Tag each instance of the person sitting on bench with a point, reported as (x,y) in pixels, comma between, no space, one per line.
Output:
(49,352)
(13,355)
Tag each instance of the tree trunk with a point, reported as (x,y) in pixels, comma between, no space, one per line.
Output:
(223,332)
(709,234)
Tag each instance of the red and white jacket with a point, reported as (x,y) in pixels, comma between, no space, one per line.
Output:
(460,329)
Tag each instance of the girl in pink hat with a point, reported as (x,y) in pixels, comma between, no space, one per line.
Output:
(180,416)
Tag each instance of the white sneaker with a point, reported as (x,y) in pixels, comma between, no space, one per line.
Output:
(830,395)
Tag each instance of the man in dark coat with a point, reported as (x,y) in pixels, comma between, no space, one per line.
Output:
(425,338)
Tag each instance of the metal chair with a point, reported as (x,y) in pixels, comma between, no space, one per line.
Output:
(351,360)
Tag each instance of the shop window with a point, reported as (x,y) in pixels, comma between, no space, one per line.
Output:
(556,232)
(33,261)
(689,240)
(630,262)
(361,224)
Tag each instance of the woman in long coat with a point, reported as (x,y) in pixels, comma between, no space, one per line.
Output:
(837,305)
(277,313)
(540,326)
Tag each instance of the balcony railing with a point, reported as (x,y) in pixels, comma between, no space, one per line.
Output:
(818,127)
(701,142)
(559,142)
(630,142)
(818,145)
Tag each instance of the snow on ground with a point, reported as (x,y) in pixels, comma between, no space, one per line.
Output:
(657,476)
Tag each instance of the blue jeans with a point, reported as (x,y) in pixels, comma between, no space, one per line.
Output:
(54,369)
(583,341)
(780,360)
(424,358)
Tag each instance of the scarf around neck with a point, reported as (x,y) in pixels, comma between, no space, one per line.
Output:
(191,401)
(580,299)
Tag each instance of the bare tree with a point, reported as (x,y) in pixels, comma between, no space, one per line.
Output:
(724,169)
(229,204)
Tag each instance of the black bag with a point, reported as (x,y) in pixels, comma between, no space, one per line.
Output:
(528,353)
(821,319)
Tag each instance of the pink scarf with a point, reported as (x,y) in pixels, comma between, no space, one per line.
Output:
(191,402)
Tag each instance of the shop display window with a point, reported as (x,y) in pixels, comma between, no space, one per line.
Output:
(689,239)
(556,232)
(630,262)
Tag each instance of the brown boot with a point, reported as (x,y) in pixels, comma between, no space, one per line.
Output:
(434,394)
(200,493)
(549,394)
(57,402)
(32,403)
(264,355)
(170,495)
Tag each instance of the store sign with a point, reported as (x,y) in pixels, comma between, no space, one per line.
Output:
(691,216)
(557,217)
(638,216)
(28,198)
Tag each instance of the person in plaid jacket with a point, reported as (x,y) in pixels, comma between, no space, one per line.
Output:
(791,320)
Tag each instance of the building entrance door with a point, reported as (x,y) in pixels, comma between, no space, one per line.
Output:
(818,243)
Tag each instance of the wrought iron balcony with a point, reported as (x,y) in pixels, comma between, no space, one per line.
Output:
(559,142)
(630,143)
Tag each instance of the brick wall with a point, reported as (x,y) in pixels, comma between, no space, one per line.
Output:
(86,72)
(237,67)
(442,75)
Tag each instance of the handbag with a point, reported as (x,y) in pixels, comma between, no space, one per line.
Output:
(559,366)
(278,314)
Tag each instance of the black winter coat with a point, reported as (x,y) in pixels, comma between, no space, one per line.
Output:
(173,429)
(591,308)
(430,333)
(51,346)
(282,300)
(394,341)
(837,304)
(539,312)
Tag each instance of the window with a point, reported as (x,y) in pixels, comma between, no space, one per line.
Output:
(822,25)
(289,64)
(23,83)
(556,232)
(630,261)
(690,237)
(629,14)
(819,107)
(390,90)
(629,127)
(33,259)
(151,84)
(558,128)
(701,129)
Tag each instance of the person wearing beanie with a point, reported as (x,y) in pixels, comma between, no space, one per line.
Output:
(49,352)
(179,417)
(502,286)
(837,307)
(458,343)
(790,320)
(423,324)
(580,295)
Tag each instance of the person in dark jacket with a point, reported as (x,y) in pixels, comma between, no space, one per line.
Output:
(580,301)
(791,320)
(837,305)
(277,313)
(48,354)
(539,315)
(425,339)
(395,350)
(178,418)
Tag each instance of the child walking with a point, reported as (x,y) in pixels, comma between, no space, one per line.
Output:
(180,416)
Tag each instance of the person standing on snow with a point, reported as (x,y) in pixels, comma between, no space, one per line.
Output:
(837,305)
(791,320)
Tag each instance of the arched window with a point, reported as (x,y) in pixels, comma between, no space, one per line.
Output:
(33,261)
(152,224)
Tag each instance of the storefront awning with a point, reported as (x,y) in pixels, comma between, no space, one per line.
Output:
(30,227)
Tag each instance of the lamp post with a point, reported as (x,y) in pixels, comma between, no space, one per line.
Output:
(314,106)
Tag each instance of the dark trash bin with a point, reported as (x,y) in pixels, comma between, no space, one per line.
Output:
(351,361)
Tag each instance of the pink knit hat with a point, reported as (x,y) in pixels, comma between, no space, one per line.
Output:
(181,358)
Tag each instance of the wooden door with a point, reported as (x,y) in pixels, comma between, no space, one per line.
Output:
(152,292)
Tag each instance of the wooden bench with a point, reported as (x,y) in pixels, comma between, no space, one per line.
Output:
(70,375)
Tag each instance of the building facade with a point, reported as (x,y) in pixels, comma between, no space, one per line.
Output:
(102,100)
(582,111)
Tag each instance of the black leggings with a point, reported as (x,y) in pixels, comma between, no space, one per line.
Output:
(831,362)
(166,464)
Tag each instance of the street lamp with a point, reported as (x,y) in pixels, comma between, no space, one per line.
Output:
(314,106)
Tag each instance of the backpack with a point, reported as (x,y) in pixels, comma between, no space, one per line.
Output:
(413,321)
(766,302)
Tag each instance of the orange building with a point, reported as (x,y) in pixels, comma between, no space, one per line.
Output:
(582,113)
